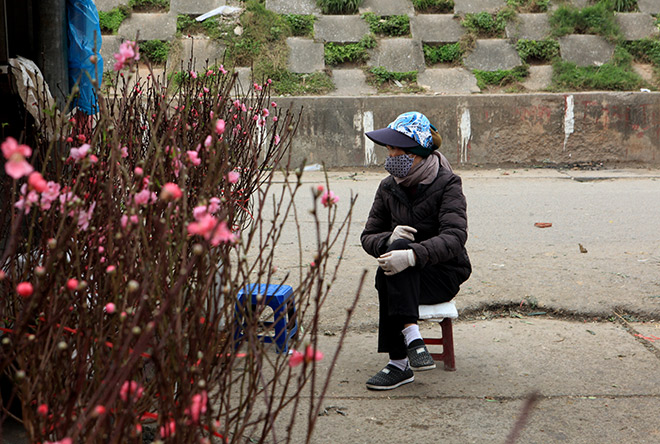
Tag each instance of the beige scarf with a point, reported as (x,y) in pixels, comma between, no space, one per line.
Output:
(425,171)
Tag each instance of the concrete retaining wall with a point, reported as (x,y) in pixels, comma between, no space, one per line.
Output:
(529,129)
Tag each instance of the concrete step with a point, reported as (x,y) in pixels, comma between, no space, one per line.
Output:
(585,50)
(448,81)
(151,26)
(398,55)
(462,7)
(305,55)
(529,26)
(539,78)
(436,28)
(107,5)
(649,6)
(387,7)
(293,6)
(493,55)
(194,6)
(636,26)
(351,82)
(109,47)
(203,52)
(340,28)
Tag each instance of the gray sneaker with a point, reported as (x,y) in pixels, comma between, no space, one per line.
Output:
(419,357)
(390,378)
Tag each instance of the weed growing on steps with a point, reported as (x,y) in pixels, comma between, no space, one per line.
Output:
(594,19)
(339,6)
(616,75)
(186,24)
(156,51)
(487,25)
(300,25)
(337,53)
(529,6)
(447,53)
(110,21)
(537,50)
(624,5)
(393,82)
(149,5)
(434,6)
(391,26)
(501,77)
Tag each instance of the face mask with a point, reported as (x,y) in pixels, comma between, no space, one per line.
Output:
(399,166)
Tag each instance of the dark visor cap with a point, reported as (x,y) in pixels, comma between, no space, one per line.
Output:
(388,136)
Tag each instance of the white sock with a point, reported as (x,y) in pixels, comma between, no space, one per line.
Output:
(401,364)
(411,333)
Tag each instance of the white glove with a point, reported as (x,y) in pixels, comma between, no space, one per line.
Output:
(402,232)
(396,261)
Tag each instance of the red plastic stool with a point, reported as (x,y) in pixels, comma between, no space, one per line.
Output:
(443,314)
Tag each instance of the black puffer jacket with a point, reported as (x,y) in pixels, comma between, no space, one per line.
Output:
(437,211)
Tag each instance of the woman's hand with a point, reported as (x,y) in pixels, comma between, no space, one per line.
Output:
(402,232)
(396,261)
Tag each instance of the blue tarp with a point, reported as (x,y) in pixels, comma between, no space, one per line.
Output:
(83,29)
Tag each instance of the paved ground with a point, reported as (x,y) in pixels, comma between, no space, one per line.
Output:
(580,328)
(537,315)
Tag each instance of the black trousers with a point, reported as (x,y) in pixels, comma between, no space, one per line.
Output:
(400,295)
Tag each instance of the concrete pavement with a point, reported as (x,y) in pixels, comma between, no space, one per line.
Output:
(580,328)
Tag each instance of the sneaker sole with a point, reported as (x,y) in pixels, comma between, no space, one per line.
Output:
(390,387)
(421,369)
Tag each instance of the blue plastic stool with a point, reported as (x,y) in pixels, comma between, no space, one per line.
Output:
(280,299)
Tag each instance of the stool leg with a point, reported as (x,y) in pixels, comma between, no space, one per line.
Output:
(281,336)
(448,345)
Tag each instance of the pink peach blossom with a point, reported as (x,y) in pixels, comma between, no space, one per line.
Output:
(329,198)
(49,195)
(110,308)
(138,171)
(222,234)
(295,359)
(214,205)
(233,176)
(193,74)
(25,289)
(171,191)
(79,153)
(169,429)
(312,355)
(11,147)
(199,211)
(17,167)
(42,410)
(277,139)
(62,441)
(142,198)
(220,126)
(128,52)
(131,390)
(72,284)
(197,406)
(84,217)
(37,181)
(208,141)
(15,153)
(193,156)
(203,227)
